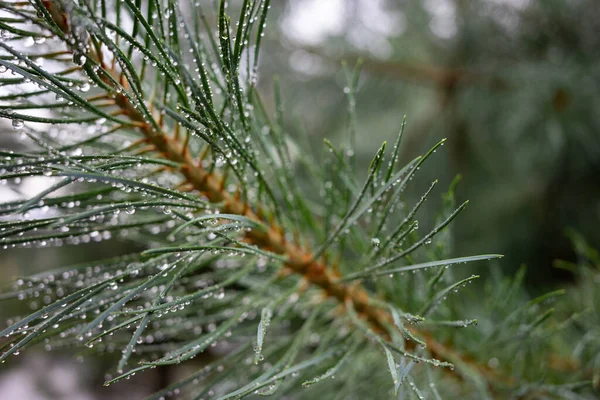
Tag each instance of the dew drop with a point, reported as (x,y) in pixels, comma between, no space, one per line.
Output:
(17,124)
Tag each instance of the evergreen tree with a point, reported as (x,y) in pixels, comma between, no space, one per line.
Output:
(292,270)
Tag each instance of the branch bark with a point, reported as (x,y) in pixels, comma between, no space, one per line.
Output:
(299,260)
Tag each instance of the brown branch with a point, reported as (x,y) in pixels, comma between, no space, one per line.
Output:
(299,259)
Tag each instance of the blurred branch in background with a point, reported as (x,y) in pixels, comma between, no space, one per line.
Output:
(446,78)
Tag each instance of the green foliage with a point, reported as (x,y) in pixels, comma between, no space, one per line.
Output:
(510,83)
(150,128)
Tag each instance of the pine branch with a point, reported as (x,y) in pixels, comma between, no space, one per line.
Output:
(201,146)
(298,260)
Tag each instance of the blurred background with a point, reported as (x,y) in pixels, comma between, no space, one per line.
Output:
(513,84)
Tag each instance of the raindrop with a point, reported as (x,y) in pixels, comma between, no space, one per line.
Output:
(17,124)
(5,35)
(84,87)
(79,59)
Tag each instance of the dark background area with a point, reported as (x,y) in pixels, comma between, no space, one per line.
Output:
(513,85)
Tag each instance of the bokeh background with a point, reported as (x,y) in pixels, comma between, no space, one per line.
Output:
(513,84)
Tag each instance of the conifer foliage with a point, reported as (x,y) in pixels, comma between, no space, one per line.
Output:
(148,124)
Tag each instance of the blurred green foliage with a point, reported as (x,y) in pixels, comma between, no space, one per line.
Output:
(512,84)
